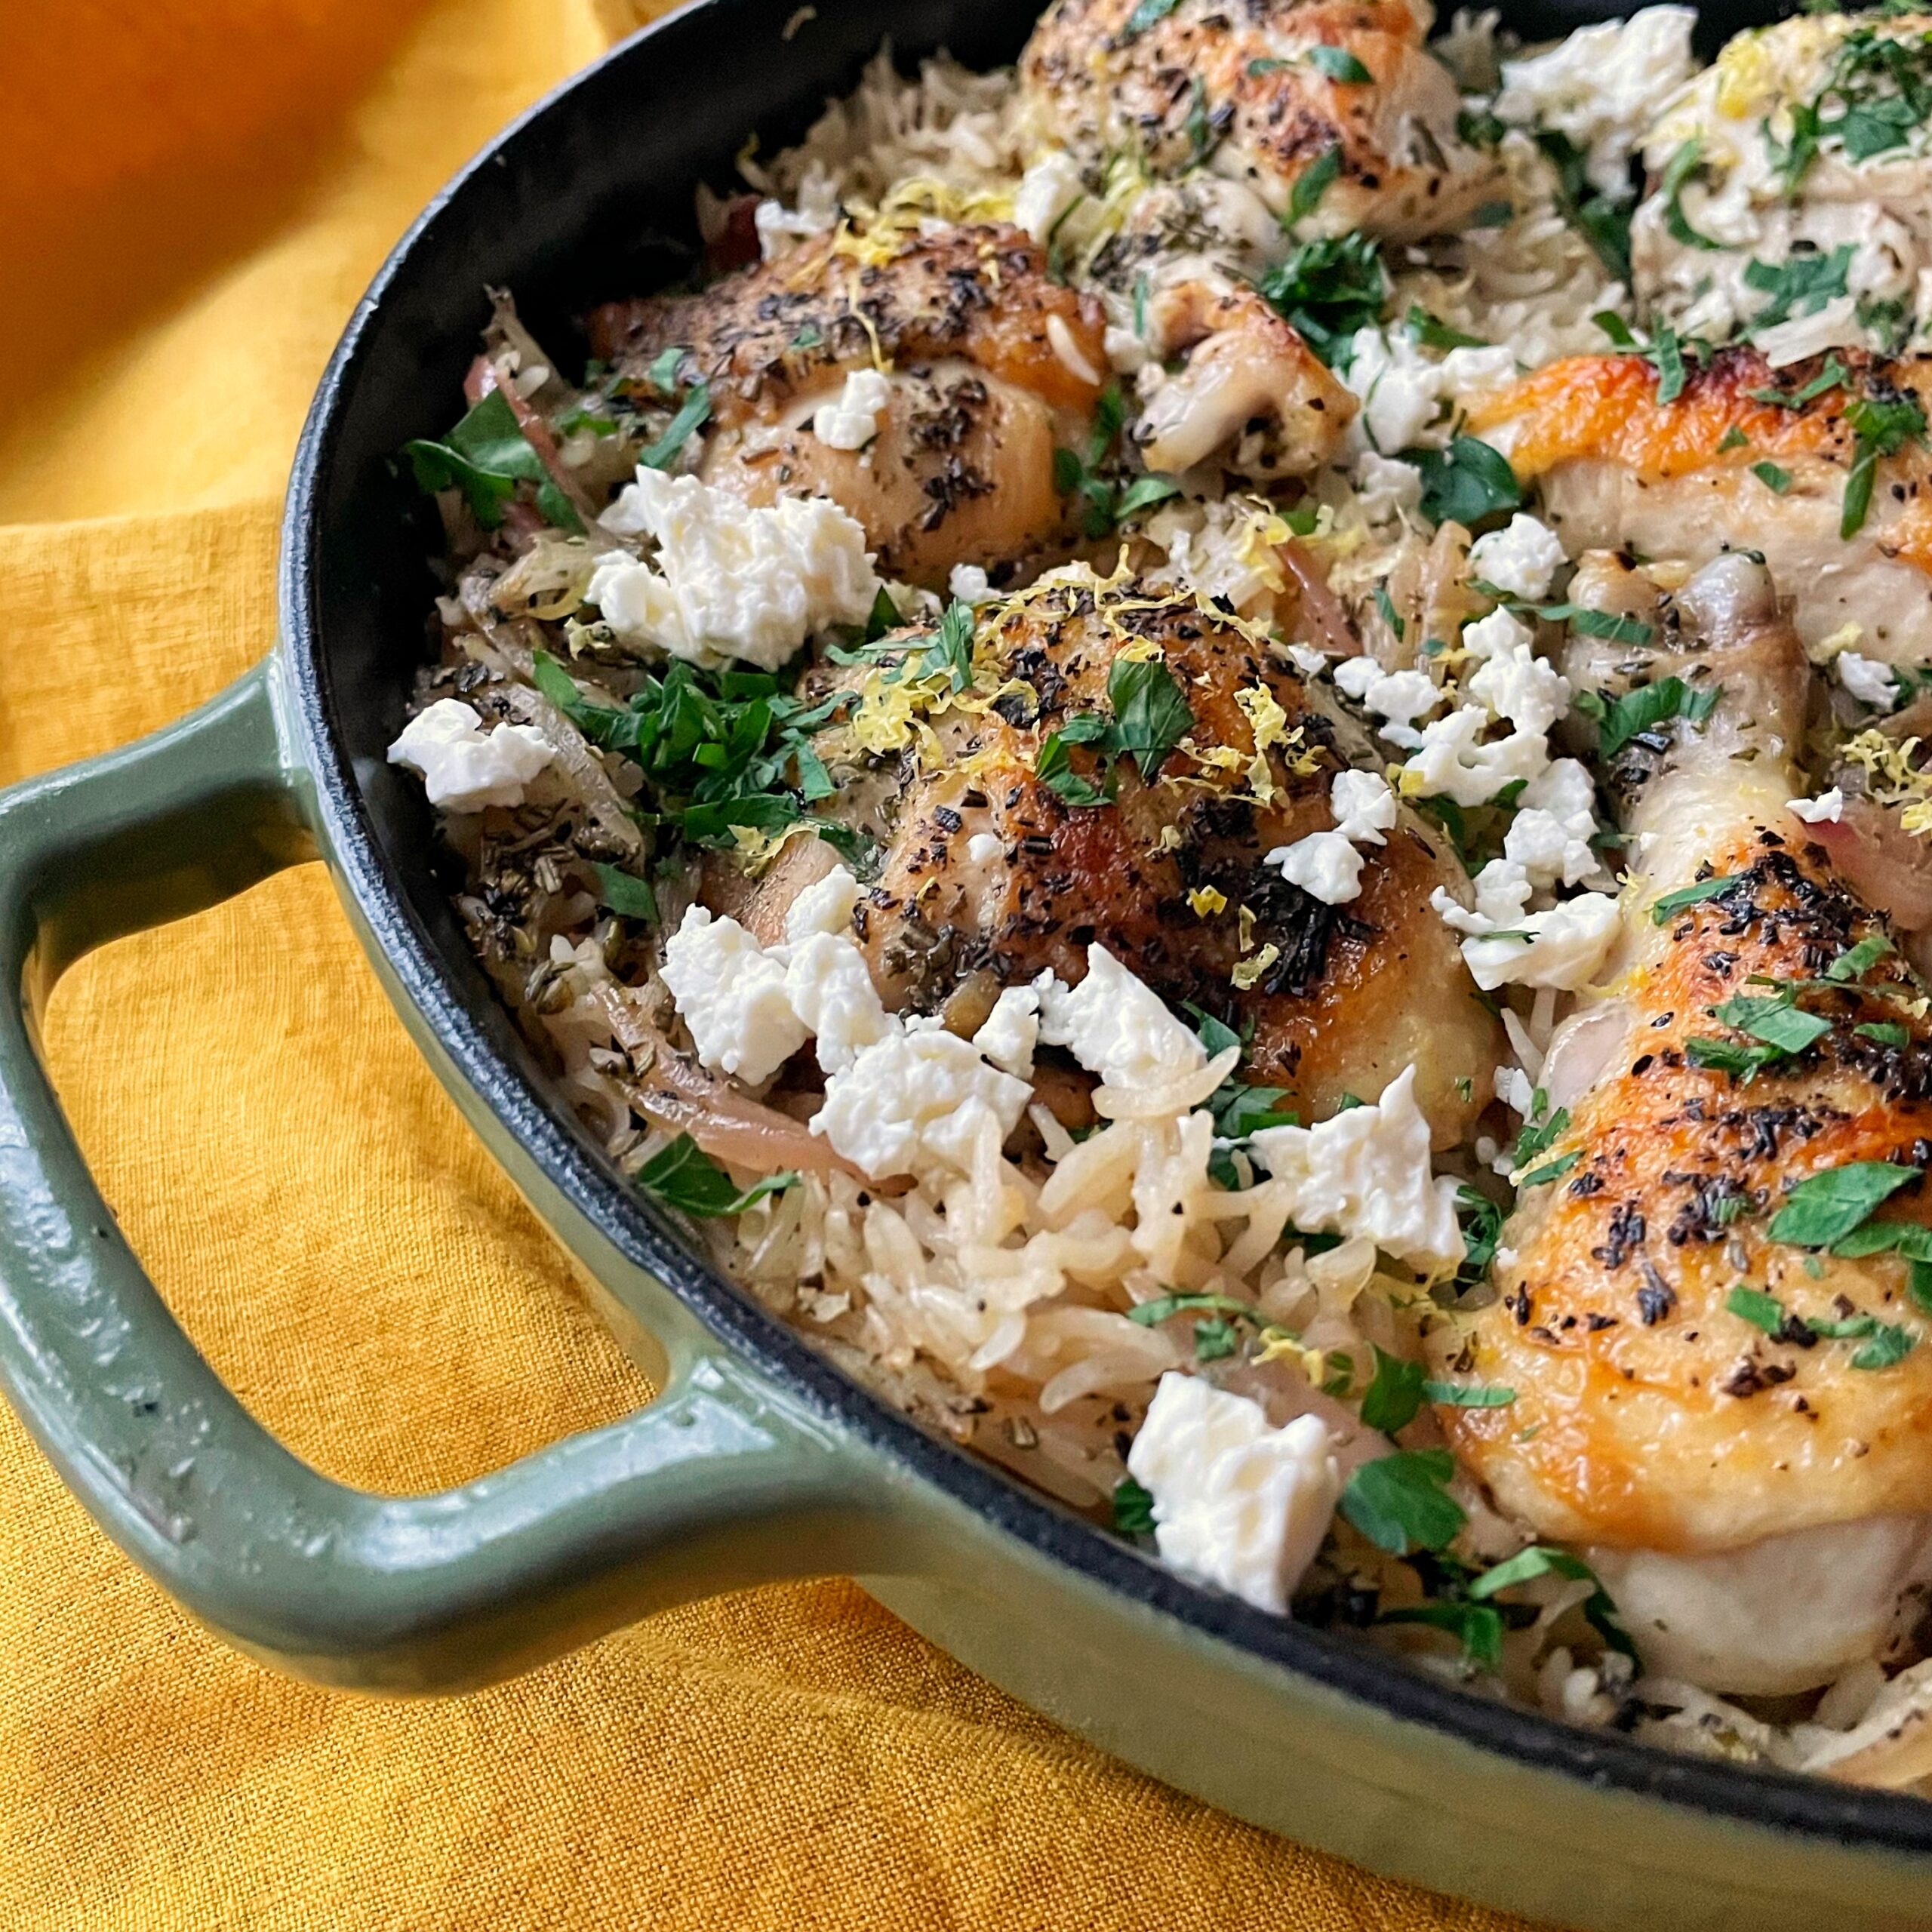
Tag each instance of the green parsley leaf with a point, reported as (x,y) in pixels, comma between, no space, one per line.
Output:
(1055,771)
(1338,64)
(1464,483)
(1774,479)
(1394,1395)
(1150,1314)
(1603,221)
(1666,351)
(1801,285)
(1753,1305)
(1613,325)
(1385,606)
(1777,1022)
(1550,1170)
(1491,214)
(1856,960)
(1151,711)
(1536,1561)
(1468,1394)
(1827,1207)
(1831,377)
(485,456)
(1887,1032)
(1676,172)
(1145,15)
(1433,333)
(1399,1503)
(692,412)
(1313,182)
(1477,1625)
(1134,1508)
(626,893)
(682,1175)
(1734,438)
(1691,895)
(1647,707)
(1214,1339)
(1888,1345)
(1882,428)
(1328,288)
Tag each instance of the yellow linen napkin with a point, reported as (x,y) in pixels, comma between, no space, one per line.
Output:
(196,192)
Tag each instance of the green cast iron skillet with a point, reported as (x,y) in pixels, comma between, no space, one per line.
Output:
(758,1460)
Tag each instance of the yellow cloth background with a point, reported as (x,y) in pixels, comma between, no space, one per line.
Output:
(196,191)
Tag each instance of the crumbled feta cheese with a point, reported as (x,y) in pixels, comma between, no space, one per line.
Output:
(968,584)
(1502,892)
(1566,948)
(1364,806)
(1306,660)
(1501,632)
(983,847)
(1522,559)
(1324,865)
(1047,190)
(1011,1031)
(1825,809)
(1385,487)
(1564,792)
(1367,1173)
(1603,87)
(1867,680)
(825,906)
(464,767)
(850,420)
(817,213)
(1514,1090)
(1127,354)
(1835,325)
(731,993)
(1115,1025)
(914,1101)
(1521,688)
(1401,390)
(1542,845)
(1453,760)
(730,581)
(1237,1504)
(830,989)
(1398,698)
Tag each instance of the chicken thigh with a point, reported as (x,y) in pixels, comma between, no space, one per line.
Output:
(1719,1384)
(974,367)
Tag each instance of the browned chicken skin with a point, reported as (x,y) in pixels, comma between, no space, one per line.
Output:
(1168,876)
(1234,88)
(992,365)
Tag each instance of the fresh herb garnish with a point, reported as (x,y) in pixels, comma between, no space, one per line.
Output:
(1882,428)
(1886,1032)
(1400,1503)
(1889,1344)
(1134,1508)
(1328,289)
(1676,172)
(1151,716)
(1603,221)
(1464,483)
(1338,64)
(1832,376)
(1774,479)
(1801,285)
(1734,438)
(1644,709)
(626,894)
(1433,333)
(1691,895)
(1856,960)
(1468,1394)
(1826,1207)
(1313,182)
(681,1174)
(1527,1564)
(1148,14)
(1109,503)
(1394,1394)
(1149,1313)
(486,455)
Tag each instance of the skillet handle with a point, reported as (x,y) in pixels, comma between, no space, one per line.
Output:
(724,1480)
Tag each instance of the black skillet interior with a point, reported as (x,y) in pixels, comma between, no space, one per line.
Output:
(590,197)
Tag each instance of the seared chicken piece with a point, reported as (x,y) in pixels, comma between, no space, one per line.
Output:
(990,874)
(1676,479)
(989,365)
(1712,1409)
(1263,93)
(1244,373)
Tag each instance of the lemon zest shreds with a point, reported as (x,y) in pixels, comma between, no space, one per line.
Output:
(1247,971)
(1278,1345)
(1171,839)
(1206,900)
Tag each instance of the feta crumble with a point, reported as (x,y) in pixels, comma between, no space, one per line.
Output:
(1326,864)
(914,1102)
(829,989)
(463,768)
(732,995)
(1867,680)
(1367,1173)
(1454,760)
(1558,819)
(983,847)
(826,906)
(1047,190)
(1522,559)
(1827,808)
(1398,698)
(1566,946)
(850,420)
(969,584)
(1011,1031)
(1115,1025)
(1401,390)
(1237,1504)
(729,580)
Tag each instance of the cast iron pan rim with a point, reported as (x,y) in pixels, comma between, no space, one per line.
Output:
(1800,1806)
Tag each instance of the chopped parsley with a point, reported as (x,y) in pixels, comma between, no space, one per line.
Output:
(1691,895)
(1394,1394)
(1780,1028)
(1151,716)
(1832,376)
(1328,289)
(1734,438)
(1823,1210)
(1603,221)
(681,1174)
(1644,708)
(1801,285)
(1109,503)
(1527,1564)
(692,412)
(1676,172)
(1856,960)
(485,457)
(1337,63)
(1774,479)
(1468,1394)
(1400,1502)
(1466,482)
(1313,182)
(1134,1508)
(1882,427)
(626,894)
(1432,332)
(1148,13)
